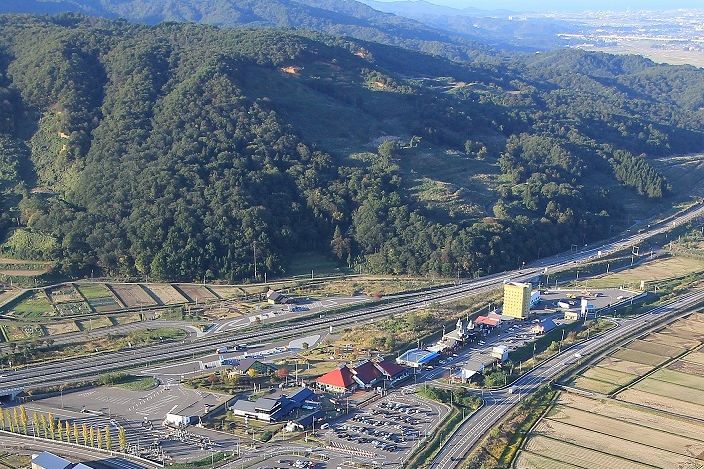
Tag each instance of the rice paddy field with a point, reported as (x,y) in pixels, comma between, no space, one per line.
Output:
(655,421)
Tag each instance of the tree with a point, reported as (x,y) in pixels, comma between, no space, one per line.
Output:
(122,438)
(282,373)
(75,433)
(59,430)
(212,379)
(51,422)
(85,434)
(339,245)
(35,424)
(99,436)
(23,419)
(2,418)
(252,373)
(15,420)
(388,149)
(45,426)
(91,436)
(108,439)
(67,430)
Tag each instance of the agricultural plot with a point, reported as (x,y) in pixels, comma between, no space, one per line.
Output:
(73,309)
(534,461)
(167,294)
(636,415)
(620,439)
(574,454)
(64,294)
(22,331)
(94,291)
(695,357)
(594,433)
(92,324)
(670,390)
(624,366)
(594,385)
(680,378)
(656,348)
(610,376)
(667,337)
(197,293)
(33,305)
(132,295)
(690,368)
(639,357)
(65,327)
(664,403)
(228,292)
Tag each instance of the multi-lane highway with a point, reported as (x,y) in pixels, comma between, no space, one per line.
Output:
(65,371)
(499,403)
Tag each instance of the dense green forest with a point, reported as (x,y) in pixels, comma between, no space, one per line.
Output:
(171,150)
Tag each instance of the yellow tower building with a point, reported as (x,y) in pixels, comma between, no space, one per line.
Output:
(517,299)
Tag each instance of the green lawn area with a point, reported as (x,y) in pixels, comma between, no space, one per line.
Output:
(137,383)
(33,305)
(321,265)
(94,291)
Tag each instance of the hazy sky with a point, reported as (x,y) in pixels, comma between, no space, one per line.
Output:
(572,5)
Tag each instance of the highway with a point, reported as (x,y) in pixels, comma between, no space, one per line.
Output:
(499,403)
(78,369)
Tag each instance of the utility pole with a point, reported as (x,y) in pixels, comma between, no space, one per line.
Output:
(255,261)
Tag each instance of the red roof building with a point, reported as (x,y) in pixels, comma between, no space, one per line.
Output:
(339,380)
(486,321)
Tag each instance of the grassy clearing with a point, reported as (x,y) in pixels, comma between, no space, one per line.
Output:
(32,305)
(93,291)
(302,264)
(138,383)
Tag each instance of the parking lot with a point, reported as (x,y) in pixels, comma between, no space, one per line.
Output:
(141,413)
(388,429)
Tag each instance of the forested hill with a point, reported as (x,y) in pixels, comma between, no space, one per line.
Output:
(337,17)
(171,150)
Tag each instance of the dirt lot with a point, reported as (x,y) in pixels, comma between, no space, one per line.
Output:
(132,295)
(167,294)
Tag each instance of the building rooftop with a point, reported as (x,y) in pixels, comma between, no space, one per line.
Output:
(416,355)
(367,372)
(389,368)
(340,377)
(48,460)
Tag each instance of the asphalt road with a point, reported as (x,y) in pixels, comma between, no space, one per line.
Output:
(499,403)
(72,370)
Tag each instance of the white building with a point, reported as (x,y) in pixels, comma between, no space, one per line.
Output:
(500,352)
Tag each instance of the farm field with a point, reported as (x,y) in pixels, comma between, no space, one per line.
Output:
(695,357)
(73,309)
(670,390)
(197,293)
(594,385)
(93,291)
(592,433)
(65,327)
(680,378)
(23,268)
(656,348)
(228,292)
(657,270)
(132,295)
(32,305)
(690,368)
(64,294)
(667,404)
(639,357)
(609,375)
(167,294)
(22,331)
(669,338)
(624,366)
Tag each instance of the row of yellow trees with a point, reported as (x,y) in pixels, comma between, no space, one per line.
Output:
(47,426)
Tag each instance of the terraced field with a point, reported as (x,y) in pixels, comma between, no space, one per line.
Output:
(167,294)
(656,420)
(132,295)
(197,293)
